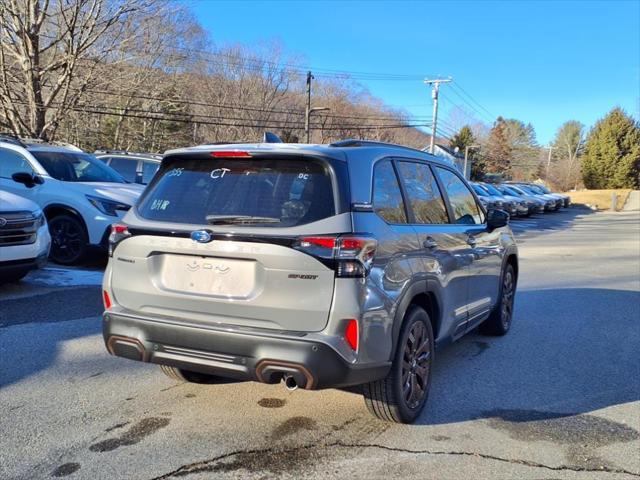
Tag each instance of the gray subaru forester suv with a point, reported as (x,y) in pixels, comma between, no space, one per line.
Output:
(317,265)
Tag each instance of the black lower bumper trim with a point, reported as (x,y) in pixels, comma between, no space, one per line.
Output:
(243,356)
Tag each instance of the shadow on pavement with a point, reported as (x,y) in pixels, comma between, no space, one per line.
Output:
(574,351)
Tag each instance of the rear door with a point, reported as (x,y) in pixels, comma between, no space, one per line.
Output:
(443,245)
(250,265)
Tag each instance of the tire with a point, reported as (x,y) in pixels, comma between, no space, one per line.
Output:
(388,398)
(499,321)
(182,375)
(69,240)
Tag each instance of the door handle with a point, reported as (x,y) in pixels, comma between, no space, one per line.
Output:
(430,243)
(471,240)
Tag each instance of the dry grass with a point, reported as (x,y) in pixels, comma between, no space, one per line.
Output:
(601,199)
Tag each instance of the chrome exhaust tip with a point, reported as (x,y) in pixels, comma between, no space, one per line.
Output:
(290,383)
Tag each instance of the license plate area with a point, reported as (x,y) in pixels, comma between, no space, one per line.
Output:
(211,276)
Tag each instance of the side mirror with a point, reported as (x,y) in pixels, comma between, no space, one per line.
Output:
(29,180)
(497,219)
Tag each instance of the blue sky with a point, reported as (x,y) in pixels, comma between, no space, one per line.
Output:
(542,62)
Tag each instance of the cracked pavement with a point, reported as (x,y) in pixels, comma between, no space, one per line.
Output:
(557,398)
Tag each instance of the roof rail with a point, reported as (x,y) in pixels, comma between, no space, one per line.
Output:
(106,151)
(352,142)
(11,138)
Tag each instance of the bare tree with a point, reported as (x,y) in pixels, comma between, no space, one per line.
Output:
(50,52)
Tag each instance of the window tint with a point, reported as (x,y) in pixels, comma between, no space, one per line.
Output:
(464,206)
(425,197)
(149,169)
(387,199)
(12,162)
(288,192)
(76,167)
(125,167)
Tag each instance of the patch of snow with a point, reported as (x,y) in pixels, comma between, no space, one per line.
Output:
(65,277)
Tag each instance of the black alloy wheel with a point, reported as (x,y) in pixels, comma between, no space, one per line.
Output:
(68,240)
(499,321)
(415,365)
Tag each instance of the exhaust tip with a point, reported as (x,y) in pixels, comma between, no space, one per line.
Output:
(290,383)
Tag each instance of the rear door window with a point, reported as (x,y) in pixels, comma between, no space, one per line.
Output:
(424,195)
(126,167)
(255,191)
(387,198)
(463,203)
(149,169)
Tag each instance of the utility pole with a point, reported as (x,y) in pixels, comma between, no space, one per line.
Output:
(549,160)
(434,94)
(466,156)
(308,110)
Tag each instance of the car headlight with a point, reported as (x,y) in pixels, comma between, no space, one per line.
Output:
(499,204)
(108,207)
(39,216)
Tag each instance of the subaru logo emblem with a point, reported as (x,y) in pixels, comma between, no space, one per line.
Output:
(3,222)
(201,236)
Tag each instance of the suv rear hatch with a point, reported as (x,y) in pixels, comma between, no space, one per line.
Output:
(216,239)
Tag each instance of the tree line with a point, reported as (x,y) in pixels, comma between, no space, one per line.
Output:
(140,75)
(608,156)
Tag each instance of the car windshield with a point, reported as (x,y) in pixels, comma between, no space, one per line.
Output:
(491,189)
(243,192)
(532,188)
(76,167)
(479,190)
(510,191)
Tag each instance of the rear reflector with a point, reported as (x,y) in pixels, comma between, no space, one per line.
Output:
(231,154)
(106,299)
(351,334)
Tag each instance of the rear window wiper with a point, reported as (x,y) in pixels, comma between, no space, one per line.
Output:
(238,219)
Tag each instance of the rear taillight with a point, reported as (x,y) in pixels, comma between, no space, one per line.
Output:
(118,233)
(351,255)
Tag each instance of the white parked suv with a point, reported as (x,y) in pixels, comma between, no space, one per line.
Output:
(24,237)
(79,195)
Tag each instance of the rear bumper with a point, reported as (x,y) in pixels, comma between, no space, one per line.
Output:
(245,355)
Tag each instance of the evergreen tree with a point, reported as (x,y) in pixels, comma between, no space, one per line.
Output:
(612,152)
(497,151)
(463,139)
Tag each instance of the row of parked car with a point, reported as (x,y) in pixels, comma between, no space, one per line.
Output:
(520,199)
(80,195)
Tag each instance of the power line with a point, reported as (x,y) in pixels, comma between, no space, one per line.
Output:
(459,87)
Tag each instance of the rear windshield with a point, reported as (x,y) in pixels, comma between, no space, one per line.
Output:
(264,192)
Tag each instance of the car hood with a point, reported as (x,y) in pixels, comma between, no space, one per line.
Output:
(119,192)
(13,203)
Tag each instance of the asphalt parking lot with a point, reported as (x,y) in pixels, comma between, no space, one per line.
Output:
(557,398)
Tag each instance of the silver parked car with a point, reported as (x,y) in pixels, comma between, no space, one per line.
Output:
(517,206)
(317,265)
(534,204)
